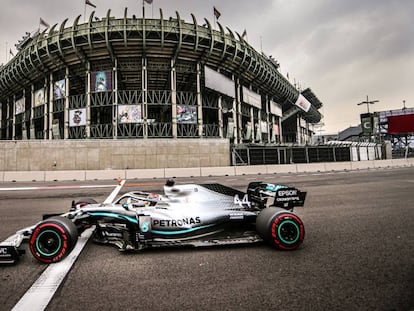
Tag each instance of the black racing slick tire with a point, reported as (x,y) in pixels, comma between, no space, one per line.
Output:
(53,239)
(280,228)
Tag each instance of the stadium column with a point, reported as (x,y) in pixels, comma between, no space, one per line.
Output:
(268,118)
(66,117)
(254,128)
(174,99)
(50,127)
(145,97)
(115,107)
(45,113)
(32,121)
(279,121)
(9,118)
(199,101)
(24,130)
(220,115)
(1,120)
(14,118)
(237,114)
(88,100)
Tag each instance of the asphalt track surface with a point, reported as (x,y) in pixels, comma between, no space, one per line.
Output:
(358,253)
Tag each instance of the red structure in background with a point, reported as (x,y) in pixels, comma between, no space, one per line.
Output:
(402,124)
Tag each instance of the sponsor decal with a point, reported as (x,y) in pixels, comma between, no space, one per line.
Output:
(288,192)
(4,252)
(176,222)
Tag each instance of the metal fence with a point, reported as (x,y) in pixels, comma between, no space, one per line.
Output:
(259,155)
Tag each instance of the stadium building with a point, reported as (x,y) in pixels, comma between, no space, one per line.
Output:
(137,83)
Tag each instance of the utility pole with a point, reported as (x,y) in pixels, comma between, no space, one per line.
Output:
(368,102)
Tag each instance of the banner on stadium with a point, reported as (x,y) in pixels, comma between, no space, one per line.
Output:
(186,114)
(59,89)
(366,123)
(19,106)
(77,117)
(303,103)
(252,98)
(101,81)
(275,109)
(219,82)
(39,97)
(402,124)
(129,114)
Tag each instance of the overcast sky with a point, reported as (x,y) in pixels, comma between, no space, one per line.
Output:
(343,50)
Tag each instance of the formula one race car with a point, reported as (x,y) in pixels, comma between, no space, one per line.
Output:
(186,215)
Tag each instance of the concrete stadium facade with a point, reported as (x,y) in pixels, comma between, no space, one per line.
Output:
(138,78)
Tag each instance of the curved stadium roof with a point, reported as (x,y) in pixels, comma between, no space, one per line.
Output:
(123,39)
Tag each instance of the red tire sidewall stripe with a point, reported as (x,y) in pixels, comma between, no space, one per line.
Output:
(62,234)
(275,224)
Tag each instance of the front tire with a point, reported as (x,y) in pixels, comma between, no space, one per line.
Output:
(280,228)
(53,239)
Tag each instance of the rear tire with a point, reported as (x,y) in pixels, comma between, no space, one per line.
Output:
(280,228)
(53,239)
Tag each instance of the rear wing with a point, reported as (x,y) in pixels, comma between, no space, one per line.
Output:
(284,196)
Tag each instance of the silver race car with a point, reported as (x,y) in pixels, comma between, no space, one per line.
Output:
(185,215)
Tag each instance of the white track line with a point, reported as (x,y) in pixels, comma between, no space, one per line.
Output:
(55,187)
(39,295)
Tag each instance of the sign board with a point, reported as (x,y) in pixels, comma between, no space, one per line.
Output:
(129,114)
(219,82)
(303,103)
(252,98)
(101,81)
(77,117)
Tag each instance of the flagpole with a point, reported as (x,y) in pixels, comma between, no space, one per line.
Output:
(143,9)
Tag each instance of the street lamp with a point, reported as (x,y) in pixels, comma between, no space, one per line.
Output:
(368,102)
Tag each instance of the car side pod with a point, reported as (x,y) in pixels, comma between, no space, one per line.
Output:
(281,228)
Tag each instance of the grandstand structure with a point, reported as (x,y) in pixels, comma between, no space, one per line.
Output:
(140,78)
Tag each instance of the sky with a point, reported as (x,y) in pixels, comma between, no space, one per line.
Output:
(344,50)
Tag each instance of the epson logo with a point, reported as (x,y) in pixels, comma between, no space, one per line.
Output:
(3,250)
(288,192)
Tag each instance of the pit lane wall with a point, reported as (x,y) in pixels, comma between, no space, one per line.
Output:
(131,174)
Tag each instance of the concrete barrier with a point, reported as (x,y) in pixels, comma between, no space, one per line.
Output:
(24,176)
(64,175)
(399,162)
(282,168)
(106,174)
(145,173)
(251,170)
(337,166)
(182,172)
(362,165)
(382,163)
(218,171)
(311,167)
